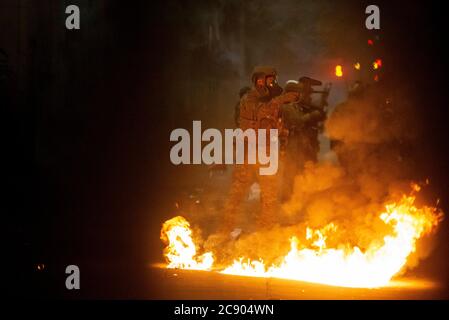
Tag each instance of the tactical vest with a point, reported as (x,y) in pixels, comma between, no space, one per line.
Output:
(250,112)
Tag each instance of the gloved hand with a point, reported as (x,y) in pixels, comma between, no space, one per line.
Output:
(288,97)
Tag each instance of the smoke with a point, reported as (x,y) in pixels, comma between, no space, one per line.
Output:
(372,140)
(373,135)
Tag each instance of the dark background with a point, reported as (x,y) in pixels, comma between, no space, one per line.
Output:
(87,116)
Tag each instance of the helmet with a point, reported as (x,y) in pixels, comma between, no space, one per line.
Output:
(266,71)
(293,86)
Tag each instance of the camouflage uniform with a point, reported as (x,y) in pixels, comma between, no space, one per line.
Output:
(308,135)
(258,110)
(304,123)
(242,92)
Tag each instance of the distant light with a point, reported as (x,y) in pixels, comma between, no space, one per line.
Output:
(339,71)
(376,78)
(370,42)
(377,64)
(357,66)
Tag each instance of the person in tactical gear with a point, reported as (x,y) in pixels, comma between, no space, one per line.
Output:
(242,92)
(303,121)
(259,109)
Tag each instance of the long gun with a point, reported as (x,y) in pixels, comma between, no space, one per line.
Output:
(306,84)
(320,109)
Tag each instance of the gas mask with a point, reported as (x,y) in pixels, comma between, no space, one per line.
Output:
(273,87)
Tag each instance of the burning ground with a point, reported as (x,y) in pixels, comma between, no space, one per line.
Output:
(355,220)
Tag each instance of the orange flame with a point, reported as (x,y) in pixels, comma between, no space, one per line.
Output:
(340,266)
(181,251)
